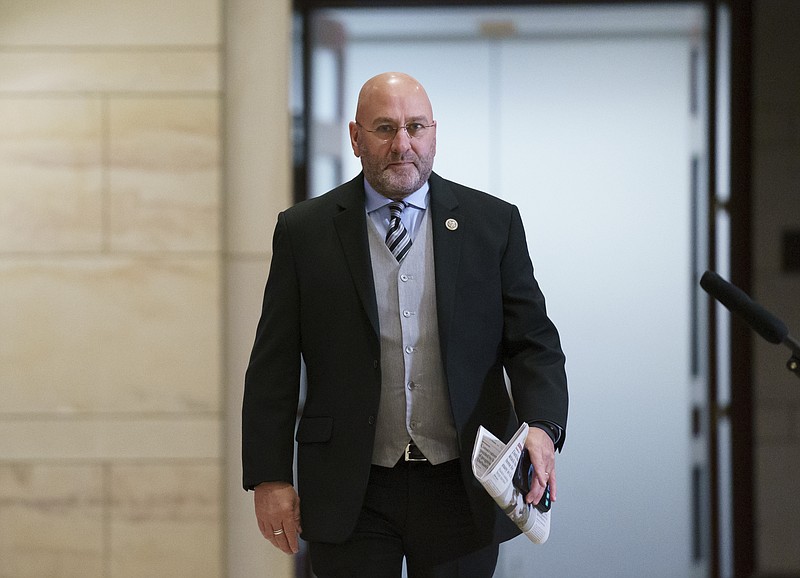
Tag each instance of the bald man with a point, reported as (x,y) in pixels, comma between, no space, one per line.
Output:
(406,296)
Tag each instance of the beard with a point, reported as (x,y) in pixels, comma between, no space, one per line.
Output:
(393,181)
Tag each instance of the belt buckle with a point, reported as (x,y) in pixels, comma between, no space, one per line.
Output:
(410,458)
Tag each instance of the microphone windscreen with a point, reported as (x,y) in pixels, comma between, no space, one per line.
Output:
(762,321)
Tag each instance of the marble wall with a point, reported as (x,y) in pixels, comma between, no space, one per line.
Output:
(111,266)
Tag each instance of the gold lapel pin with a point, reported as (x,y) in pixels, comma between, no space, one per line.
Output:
(451,224)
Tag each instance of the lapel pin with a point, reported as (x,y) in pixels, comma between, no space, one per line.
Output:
(451,224)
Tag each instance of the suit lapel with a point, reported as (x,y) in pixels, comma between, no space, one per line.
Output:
(351,226)
(447,240)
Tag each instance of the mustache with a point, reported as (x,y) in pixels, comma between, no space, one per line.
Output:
(404,158)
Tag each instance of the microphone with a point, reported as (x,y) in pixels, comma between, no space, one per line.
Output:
(737,301)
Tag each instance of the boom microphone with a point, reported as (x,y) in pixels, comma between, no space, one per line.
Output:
(762,321)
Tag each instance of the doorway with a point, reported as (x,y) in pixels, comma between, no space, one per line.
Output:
(593,121)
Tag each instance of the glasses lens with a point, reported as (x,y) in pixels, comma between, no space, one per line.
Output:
(415,129)
(387,132)
(384,131)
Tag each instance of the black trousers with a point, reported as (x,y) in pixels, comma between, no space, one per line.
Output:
(415,511)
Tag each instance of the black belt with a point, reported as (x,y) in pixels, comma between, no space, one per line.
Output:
(413,454)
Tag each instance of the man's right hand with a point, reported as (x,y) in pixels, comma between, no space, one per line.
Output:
(278,513)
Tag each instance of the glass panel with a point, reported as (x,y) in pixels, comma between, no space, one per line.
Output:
(582,117)
(602,181)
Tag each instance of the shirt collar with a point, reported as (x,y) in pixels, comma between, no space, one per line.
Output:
(375,200)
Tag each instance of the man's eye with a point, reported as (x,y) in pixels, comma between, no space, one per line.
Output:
(414,126)
(385,129)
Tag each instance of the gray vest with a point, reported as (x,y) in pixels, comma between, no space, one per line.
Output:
(414,399)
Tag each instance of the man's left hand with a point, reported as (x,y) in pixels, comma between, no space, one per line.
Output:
(543,457)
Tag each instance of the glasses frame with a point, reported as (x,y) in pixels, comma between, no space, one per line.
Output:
(397,130)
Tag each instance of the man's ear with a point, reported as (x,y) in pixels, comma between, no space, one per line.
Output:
(354,138)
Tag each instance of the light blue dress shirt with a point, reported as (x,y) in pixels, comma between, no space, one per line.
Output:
(378,209)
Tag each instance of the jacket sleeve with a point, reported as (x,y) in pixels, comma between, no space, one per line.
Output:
(532,357)
(272,380)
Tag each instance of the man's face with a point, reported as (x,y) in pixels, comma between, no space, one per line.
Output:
(399,166)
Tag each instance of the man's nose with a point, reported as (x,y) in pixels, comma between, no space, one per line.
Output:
(402,140)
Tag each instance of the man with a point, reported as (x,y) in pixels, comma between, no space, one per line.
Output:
(406,296)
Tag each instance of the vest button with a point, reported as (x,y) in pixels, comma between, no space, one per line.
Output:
(371,420)
(375,364)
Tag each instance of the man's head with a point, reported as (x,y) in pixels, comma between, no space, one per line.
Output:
(391,107)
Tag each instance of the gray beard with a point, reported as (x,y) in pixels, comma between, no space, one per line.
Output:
(392,186)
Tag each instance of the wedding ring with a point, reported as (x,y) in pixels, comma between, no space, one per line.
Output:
(277,532)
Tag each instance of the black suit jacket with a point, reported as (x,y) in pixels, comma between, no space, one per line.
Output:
(320,303)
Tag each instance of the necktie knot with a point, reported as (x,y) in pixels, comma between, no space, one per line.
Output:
(396,209)
(397,238)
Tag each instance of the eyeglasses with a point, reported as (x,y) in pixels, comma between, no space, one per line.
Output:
(387,132)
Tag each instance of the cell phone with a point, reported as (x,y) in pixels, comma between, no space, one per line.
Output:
(523,478)
(545,503)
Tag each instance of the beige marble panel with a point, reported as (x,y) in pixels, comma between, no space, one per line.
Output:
(80,438)
(165,521)
(109,23)
(115,437)
(130,71)
(50,174)
(165,174)
(258,152)
(51,522)
(119,334)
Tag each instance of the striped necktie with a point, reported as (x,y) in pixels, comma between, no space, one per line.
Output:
(397,238)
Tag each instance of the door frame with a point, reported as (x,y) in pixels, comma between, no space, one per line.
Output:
(738,207)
